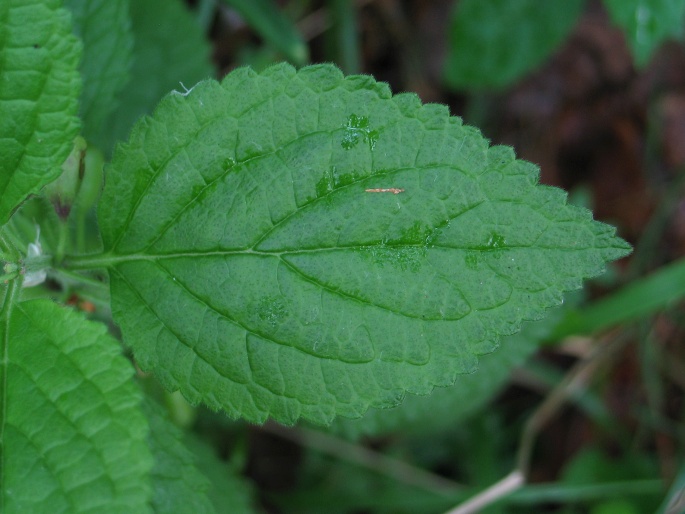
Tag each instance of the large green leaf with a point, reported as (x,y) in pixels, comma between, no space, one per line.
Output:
(254,268)
(647,23)
(73,434)
(169,50)
(104,26)
(39,90)
(495,42)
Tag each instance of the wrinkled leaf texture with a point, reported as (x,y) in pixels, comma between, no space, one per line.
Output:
(251,269)
(72,431)
(39,90)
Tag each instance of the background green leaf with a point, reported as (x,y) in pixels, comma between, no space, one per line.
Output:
(229,492)
(73,435)
(647,23)
(39,89)
(271,23)
(104,26)
(178,486)
(447,406)
(169,49)
(251,269)
(495,42)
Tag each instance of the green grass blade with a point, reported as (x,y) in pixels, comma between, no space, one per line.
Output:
(636,300)
(345,38)
(271,24)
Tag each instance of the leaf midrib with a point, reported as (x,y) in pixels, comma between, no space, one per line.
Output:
(109,259)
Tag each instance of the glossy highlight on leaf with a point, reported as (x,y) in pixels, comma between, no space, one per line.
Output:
(251,268)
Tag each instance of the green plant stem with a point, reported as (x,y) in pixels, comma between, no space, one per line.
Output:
(8,276)
(560,493)
(37,263)
(9,251)
(11,295)
(86,262)
(79,216)
(62,240)
(77,278)
(651,352)
(267,19)
(89,288)
(344,24)
(319,21)
(361,456)
(205,13)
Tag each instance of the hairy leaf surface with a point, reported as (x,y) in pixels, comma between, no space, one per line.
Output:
(104,26)
(73,434)
(257,265)
(647,23)
(495,42)
(39,90)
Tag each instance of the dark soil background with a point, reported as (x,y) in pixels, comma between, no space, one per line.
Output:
(597,127)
